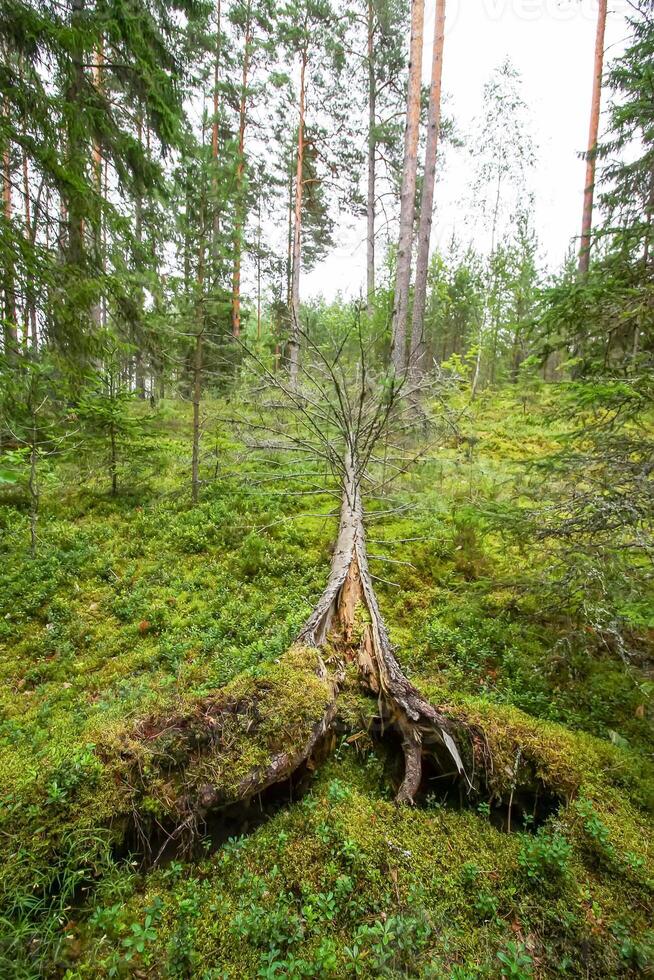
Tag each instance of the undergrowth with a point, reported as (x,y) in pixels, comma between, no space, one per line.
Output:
(140,607)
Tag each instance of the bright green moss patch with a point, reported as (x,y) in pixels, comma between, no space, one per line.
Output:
(182,763)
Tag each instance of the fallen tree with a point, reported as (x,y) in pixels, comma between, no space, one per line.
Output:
(238,744)
(348,595)
(341,415)
(260,733)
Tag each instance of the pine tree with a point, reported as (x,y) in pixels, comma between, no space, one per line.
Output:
(591,153)
(417,349)
(408,192)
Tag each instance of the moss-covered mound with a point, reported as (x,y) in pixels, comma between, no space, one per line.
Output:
(345,883)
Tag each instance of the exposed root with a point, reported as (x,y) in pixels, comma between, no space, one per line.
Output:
(350,597)
(281,766)
(257,734)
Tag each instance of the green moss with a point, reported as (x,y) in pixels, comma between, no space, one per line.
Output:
(345,865)
(143,611)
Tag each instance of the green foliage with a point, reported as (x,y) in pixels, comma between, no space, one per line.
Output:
(515,962)
(111,426)
(138,612)
(545,857)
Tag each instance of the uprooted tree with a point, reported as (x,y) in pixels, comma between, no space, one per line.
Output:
(258,733)
(342,416)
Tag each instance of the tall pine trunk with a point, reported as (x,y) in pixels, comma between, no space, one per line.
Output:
(259,265)
(408,192)
(215,246)
(31,337)
(372,153)
(294,342)
(197,382)
(75,149)
(139,371)
(591,156)
(240,175)
(197,398)
(10,328)
(96,312)
(427,203)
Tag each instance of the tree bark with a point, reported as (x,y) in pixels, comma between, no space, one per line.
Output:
(214,141)
(349,589)
(294,342)
(427,203)
(259,266)
(372,153)
(197,383)
(240,172)
(33,487)
(139,373)
(96,311)
(75,149)
(408,192)
(30,338)
(10,328)
(591,156)
(197,397)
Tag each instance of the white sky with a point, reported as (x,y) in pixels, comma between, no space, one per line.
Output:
(552,44)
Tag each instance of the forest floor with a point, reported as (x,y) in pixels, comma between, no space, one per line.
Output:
(142,617)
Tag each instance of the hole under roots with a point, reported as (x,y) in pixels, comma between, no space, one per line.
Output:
(157,844)
(527,808)
(530,805)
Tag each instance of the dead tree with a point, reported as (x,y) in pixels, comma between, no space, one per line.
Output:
(230,747)
(340,416)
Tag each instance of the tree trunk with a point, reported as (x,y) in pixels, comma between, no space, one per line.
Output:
(139,371)
(10,327)
(259,266)
(348,590)
(477,373)
(427,203)
(75,150)
(591,156)
(372,153)
(214,143)
(408,192)
(33,489)
(197,396)
(30,338)
(289,250)
(294,342)
(96,311)
(113,460)
(197,382)
(240,171)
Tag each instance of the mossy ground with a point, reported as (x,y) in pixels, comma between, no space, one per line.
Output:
(141,607)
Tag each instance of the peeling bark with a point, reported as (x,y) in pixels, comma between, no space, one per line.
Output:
(349,590)
(348,635)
